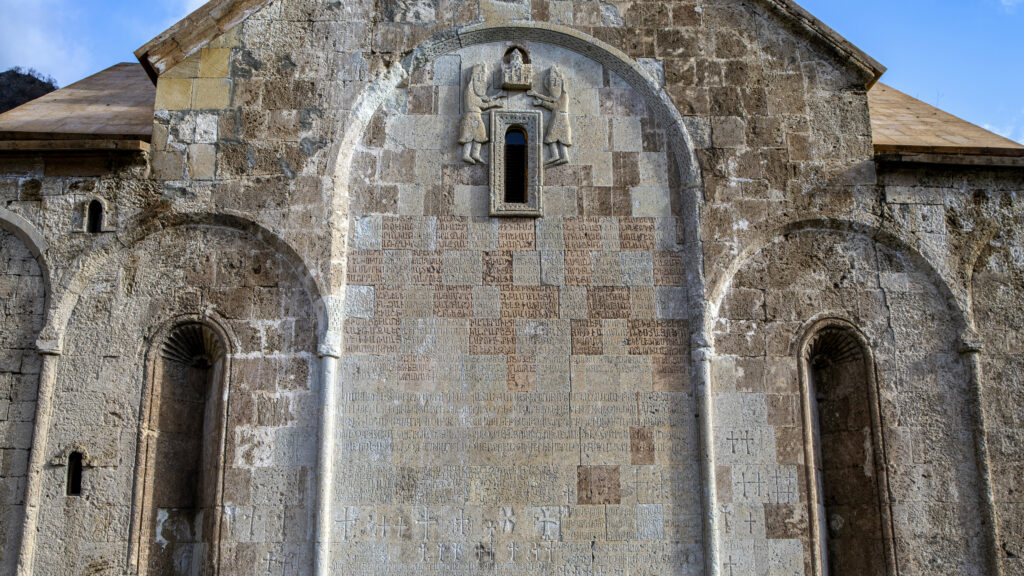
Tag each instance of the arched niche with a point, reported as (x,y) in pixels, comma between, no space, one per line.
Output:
(848,485)
(178,505)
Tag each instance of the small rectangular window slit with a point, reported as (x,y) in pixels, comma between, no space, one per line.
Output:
(516,166)
(74,482)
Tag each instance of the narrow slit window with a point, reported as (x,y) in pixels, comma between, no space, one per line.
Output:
(74,487)
(516,165)
(94,222)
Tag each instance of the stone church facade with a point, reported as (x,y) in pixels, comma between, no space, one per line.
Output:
(507,287)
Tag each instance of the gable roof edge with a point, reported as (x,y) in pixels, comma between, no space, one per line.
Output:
(193,32)
(836,41)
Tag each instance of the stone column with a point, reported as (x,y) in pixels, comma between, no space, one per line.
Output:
(329,352)
(50,349)
(702,355)
(971,345)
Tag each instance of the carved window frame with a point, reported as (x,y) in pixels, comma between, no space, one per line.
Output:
(531,122)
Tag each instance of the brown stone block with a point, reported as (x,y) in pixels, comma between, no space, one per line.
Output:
(398,233)
(365,268)
(785,521)
(626,168)
(452,233)
(577,268)
(583,234)
(669,270)
(789,442)
(641,446)
(416,373)
(423,99)
(595,201)
(426,268)
(666,337)
(372,336)
(387,302)
(782,409)
(522,373)
(608,302)
(516,235)
(529,302)
(636,233)
(587,338)
(398,167)
(492,337)
(598,485)
(670,373)
(497,268)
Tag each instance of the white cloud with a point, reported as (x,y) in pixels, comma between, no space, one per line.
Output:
(31,36)
(1011,4)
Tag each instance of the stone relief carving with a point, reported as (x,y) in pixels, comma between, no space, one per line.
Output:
(517,74)
(475,101)
(559,136)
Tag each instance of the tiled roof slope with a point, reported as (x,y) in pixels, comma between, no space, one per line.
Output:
(106,110)
(902,124)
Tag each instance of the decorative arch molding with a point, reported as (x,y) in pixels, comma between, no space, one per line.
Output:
(846,342)
(23,230)
(874,229)
(81,272)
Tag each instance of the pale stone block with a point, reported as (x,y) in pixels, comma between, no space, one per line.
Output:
(653,169)
(410,200)
(560,12)
(610,235)
(552,268)
(202,160)
(627,135)
(535,337)
(637,268)
(650,522)
(206,128)
(214,62)
(173,94)
(526,268)
(359,301)
(651,201)
(671,302)
(641,302)
(607,268)
(550,233)
(211,94)
(615,335)
(553,373)
(472,201)
(462,268)
(486,302)
(572,302)
(367,233)
(448,70)
(483,235)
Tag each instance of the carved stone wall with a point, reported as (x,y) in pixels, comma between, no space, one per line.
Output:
(518,387)
(516,391)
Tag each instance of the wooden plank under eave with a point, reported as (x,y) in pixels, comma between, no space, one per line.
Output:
(74,145)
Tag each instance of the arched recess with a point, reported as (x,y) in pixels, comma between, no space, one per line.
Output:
(876,230)
(177,508)
(71,285)
(913,323)
(848,484)
(374,95)
(681,161)
(33,240)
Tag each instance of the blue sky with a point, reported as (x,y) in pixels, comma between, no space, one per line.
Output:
(964,56)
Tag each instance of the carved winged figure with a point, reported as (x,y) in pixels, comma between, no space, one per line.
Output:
(559,136)
(475,101)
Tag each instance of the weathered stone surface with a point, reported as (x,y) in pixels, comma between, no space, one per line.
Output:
(513,395)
